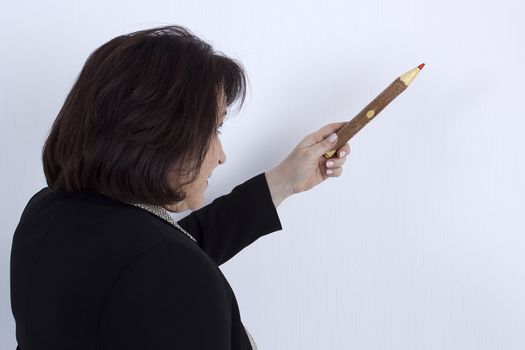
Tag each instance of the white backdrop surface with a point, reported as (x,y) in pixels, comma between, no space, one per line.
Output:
(419,244)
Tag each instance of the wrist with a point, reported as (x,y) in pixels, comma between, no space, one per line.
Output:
(279,188)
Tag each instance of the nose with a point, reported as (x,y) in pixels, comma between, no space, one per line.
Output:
(222,155)
(222,159)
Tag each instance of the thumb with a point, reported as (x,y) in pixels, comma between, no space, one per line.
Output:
(320,140)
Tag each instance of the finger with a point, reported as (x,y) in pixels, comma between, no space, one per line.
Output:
(336,172)
(336,160)
(328,144)
(333,162)
(320,135)
(345,149)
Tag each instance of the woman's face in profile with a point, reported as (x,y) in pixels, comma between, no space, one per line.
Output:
(195,190)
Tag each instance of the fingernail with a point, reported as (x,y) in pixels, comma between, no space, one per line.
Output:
(332,137)
(329,163)
(342,154)
(329,171)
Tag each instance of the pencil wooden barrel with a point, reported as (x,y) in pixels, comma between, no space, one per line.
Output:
(347,131)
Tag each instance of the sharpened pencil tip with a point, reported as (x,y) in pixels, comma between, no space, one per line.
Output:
(421,66)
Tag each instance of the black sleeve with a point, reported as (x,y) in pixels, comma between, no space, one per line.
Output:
(233,221)
(170,297)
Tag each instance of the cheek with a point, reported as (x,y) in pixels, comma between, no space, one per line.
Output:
(212,156)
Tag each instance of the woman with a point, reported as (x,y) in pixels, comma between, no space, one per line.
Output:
(96,261)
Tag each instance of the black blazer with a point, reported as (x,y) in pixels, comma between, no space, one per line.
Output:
(88,272)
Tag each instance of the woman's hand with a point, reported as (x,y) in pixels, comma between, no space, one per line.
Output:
(306,166)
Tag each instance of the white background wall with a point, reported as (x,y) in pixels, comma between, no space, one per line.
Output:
(419,244)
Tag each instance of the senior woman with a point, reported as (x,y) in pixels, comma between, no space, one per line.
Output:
(97,262)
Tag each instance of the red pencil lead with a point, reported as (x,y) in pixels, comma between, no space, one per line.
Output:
(421,66)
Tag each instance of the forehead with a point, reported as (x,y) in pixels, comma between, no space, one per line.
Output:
(222,102)
(222,98)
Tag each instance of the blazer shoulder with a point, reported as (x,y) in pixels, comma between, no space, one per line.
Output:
(34,199)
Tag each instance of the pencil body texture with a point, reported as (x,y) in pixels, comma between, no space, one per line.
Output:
(347,131)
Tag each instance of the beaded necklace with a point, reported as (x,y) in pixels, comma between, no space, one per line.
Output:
(163,214)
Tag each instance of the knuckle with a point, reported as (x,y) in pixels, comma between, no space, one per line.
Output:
(306,152)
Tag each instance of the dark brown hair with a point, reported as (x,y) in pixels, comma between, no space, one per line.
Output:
(144,105)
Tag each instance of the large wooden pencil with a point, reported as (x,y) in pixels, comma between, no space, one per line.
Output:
(347,131)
